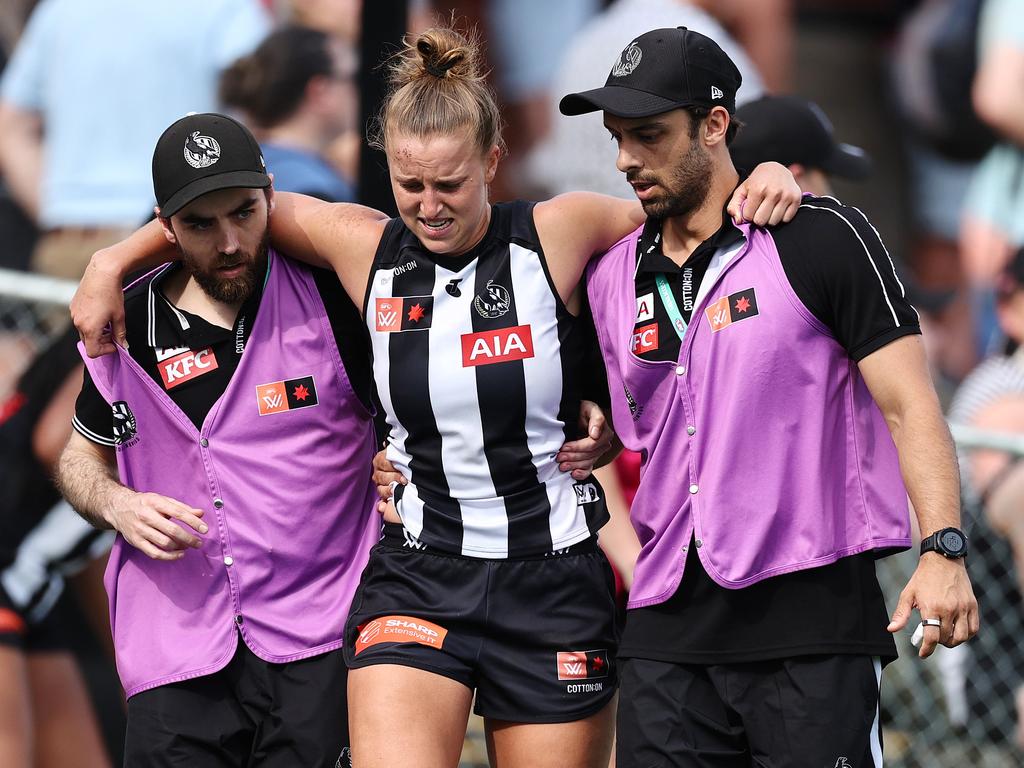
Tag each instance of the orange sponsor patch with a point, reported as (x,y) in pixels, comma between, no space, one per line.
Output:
(400,629)
(272,398)
(11,621)
(718,314)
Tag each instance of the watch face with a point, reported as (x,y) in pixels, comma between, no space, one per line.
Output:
(952,541)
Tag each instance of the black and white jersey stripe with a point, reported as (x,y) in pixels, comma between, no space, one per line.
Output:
(480,398)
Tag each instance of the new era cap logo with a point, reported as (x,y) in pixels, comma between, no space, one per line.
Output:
(716,93)
(201,151)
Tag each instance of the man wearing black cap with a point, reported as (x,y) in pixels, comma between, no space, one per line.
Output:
(775,383)
(229,447)
(796,133)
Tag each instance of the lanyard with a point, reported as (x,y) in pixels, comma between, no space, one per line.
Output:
(665,291)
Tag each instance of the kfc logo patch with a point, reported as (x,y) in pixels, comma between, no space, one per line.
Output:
(185,366)
(644,308)
(582,665)
(280,396)
(403,313)
(499,346)
(731,309)
(645,339)
(400,629)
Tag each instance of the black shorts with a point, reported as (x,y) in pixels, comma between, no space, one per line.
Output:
(817,711)
(251,712)
(47,635)
(535,638)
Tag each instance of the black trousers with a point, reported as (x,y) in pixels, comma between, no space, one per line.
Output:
(803,712)
(251,713)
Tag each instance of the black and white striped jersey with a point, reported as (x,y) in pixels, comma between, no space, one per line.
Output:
(477,364)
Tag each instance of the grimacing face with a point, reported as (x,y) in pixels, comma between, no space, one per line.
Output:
(670,172)
(440,184)
(223,238)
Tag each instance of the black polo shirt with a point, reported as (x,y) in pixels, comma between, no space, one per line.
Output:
(839,269)
(193,360)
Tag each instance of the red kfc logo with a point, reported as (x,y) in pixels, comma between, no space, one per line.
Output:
(186,366)
(645,339)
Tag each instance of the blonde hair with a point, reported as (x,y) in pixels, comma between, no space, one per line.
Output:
(438,86)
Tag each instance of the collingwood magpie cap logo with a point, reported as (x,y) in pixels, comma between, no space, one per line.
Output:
(202,151)
(628,61)
(494,303)
(125,427)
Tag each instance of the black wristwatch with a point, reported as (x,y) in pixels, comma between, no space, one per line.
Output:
(949,542)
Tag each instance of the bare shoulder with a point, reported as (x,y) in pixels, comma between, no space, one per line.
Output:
(588,221)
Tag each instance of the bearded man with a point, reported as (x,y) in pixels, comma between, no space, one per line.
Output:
(775,382)
(229,446)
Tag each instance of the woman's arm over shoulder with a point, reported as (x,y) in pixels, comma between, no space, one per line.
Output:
(340,236)
(578,225)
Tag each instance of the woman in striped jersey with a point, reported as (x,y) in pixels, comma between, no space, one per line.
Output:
(488,579)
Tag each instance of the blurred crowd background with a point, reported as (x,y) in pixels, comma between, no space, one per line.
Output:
(931,92)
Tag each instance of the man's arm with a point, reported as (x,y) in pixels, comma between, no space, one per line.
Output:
(87,477)
(21,155)
(897,376)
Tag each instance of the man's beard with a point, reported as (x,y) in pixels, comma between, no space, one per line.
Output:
(234,289)
(686,189)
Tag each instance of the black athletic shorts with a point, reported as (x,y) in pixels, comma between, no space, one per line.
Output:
(250,713)
(535,638)
(803,712)
(47,635)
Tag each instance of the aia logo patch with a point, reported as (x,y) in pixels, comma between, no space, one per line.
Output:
(279,396)
(500,346)
(731,309)
(185,366)
(403,313)
(400,629)
(582,665)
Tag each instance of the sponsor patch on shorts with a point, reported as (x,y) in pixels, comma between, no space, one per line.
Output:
(582,665)
(400,629)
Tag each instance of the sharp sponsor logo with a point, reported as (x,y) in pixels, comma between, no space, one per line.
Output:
(186,366)
(403,313)
(289,395)
(582,665)
(400,629)
(644,308)
(499,346)
(645,339)
(731,309)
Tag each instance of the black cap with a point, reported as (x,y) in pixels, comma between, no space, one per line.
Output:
(662,70)
(202,153)
(788,129)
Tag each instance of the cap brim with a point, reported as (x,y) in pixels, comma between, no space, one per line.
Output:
(200,187)
(616,100)
(848,162)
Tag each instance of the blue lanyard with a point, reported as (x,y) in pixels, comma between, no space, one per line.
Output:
(665,291)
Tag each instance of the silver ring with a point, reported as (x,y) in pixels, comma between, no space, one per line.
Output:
(931,622)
